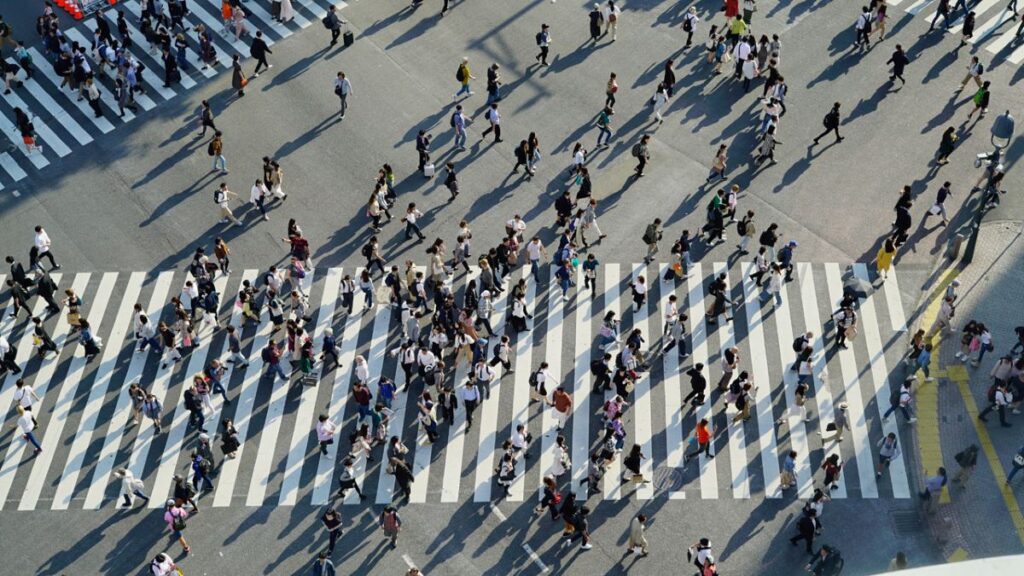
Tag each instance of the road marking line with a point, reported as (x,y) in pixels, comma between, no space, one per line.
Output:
(581,410)
(642,395)
(497,512)
(10,166)
(489,413)
(699,340)
(47,71)
(536,559)
(612,487)
(670,385)
(553,356)
(737,434)
(521,388)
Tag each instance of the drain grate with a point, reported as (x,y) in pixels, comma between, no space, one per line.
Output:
(906,523)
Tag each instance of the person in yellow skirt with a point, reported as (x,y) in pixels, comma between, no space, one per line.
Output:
(884,258)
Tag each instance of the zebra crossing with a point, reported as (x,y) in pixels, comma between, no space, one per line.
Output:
(63,123)
(87,432)
(995,28)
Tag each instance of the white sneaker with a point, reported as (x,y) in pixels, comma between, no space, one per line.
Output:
(269,66)
(912,420)
(929,379)
(885,420)
(586,546)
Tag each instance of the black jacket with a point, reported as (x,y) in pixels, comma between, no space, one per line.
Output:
(259,48)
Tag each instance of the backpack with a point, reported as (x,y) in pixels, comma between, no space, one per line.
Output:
(205,466)
(451,121)
(894,397)
(991,394)
(741,229)
(460,74)
(366,251)
(209,148)
(177,522)
(596,366)
(540,38)
(326,20)
(687,24)
(533,378)
(637,149)
(218,196)
(798,344)
(191,403)
(265,355)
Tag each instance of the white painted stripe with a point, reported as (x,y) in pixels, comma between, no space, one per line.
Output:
(763,382)
(122,412)
(107,95)
(65,398)
(998,44)
(457,432)
(917,6)
(880,378)
(374,361)
(822,393)
(213,27)
(497,512)
(228,475)
(47,72)
(582,383)
(984,31)
(553,356)
(641,412)
(60,116)
(318,11)
(698,329)
(852,396)
(52,141)
(612,487)
(894,303)
(521,389)
(7,325)
(117,340)
(41,382)
(980,7)
(298,19)
(348,341)
(488,420)
(674,448)
(410,564)
(737,435)
(11,167)
(305,414)
(167,461)
(536,559)
(140,41)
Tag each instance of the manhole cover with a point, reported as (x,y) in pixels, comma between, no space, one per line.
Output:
(667,479)
(906,523)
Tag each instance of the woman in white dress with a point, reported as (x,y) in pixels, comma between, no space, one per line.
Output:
(287,12)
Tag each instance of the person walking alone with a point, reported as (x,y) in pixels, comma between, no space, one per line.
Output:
(544,42)
(259,50)
(332,22)
(342,89)
(899,61)
(831,123)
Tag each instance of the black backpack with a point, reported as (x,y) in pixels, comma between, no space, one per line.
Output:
(326,21)
(540,38)
(367,251)
(798,344)
(597,366)
(741,227)
(209,148)
(205,466)
(460,75)
(533,378)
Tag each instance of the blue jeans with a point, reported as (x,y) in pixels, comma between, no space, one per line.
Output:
(460,138)
(199,480)
(981,354)
(30,437)
(364,411)
(463,90)
(765,295)
(218,388)
(276,367)
(221,160)
(603,131)
(923,368)
(906,412)
(534,268)
(368,297)
(150,342)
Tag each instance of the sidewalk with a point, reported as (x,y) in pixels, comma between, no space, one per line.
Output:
(983,517)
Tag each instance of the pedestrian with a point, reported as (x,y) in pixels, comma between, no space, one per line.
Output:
(175,516)
(391,524)
(348,479)
(27,425)
(805,531)
(342,89)
(325,430)
(494,118)
(229,439)
(1017,463)
(551,500)
(899,61)
(831,124)
(942,10)
(596,21)
(946,147)
(888,450)
(700,553)
(323,566)
(975,69)
(788,477)
(332,22)
(221,197)
(981,100)
(216,149)
(201,470)
(637,538)
(641,152)
(661,97)
(543,39)
(493,83)
(162,565)
(863,28)
(718,164)
(702,437)
(463,76)
(840,423)
(933,486)
(967,28)
(967,459)
(332,523)
(999,397)
(238,79)
(832,466)
(690,20)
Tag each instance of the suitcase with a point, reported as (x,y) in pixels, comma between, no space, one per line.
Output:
(348,38)
(428,170)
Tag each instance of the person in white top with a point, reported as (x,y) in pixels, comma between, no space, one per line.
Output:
(411,216)
(660,101)
(671,314)
(611,18)
(325,429)
(484,375)
(162,565)
(362,370)
(221,197)
(42,243)
(534,251)
(258,197)
(27,424)
(24,395)
(470,399)
(130,487)
(516,226)
(539,392)
(521,441)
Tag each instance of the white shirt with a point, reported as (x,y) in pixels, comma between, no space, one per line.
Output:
(544,377)
(518,225)
(641,288)
(533,250)
(362,371)
(413,215)
(518,440)
(259,190)
(484,373)
(741,51)
(25,397)
(344,84)
(42,241)
(579,158)
(25,423)
(426,359)
(671,313)
(222,196)
(325,430)
(470,394)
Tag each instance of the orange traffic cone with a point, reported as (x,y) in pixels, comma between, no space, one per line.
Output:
(61,4)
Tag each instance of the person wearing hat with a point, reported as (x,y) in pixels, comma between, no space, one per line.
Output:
(596,21)
(544,42)
(786,259)
(175,516)
(840,422)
